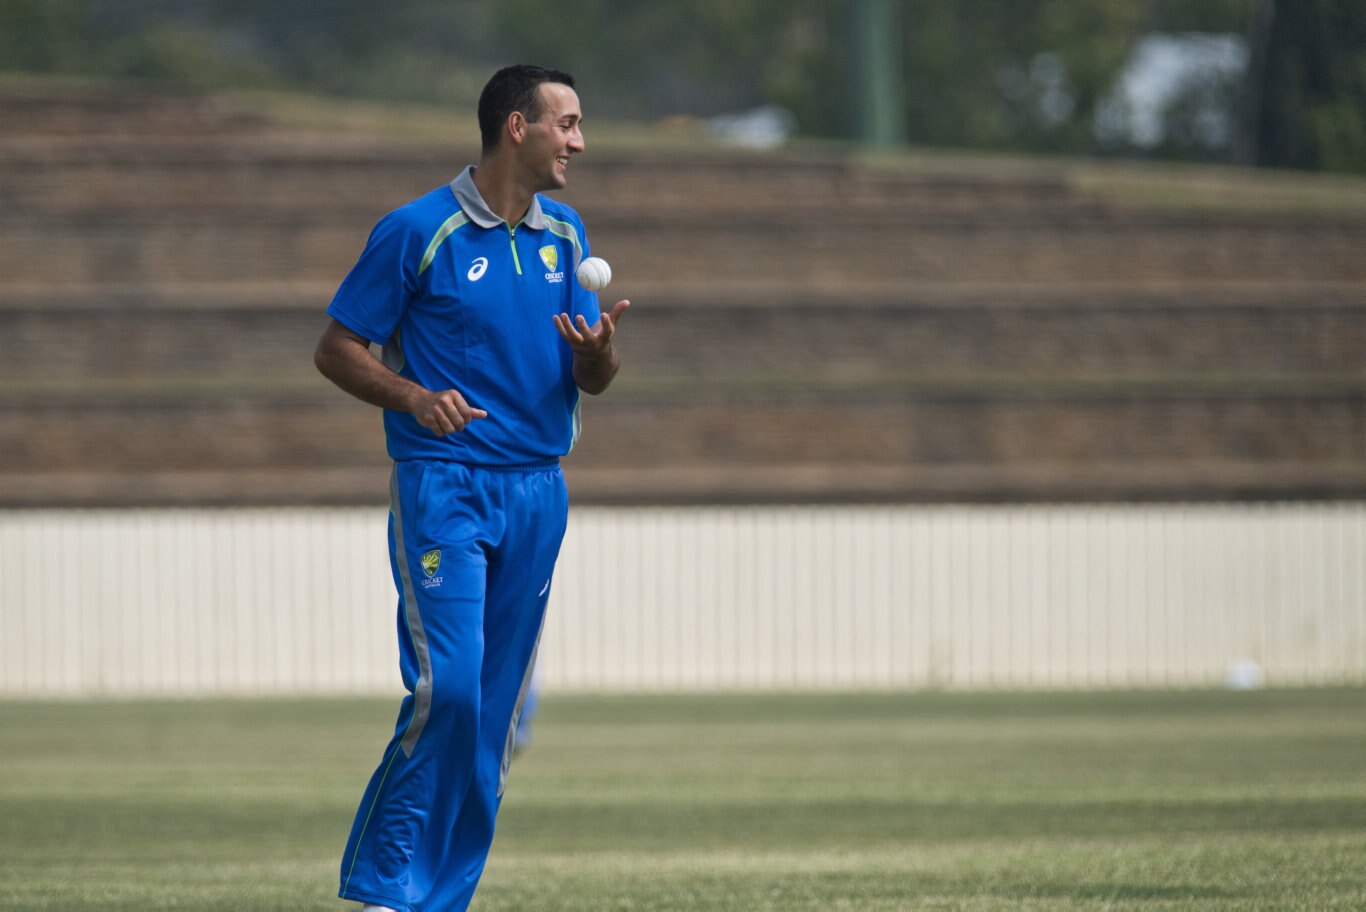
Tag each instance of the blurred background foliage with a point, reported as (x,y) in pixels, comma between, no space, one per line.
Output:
(1268,82)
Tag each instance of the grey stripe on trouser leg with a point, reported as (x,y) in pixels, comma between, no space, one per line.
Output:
(422,691)
(511,741)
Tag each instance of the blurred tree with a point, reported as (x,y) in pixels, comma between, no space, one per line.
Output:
(695,57)
(44,36)
(418,51)
(1210,16)
(1307,102)
(1018,75)
(1025,74)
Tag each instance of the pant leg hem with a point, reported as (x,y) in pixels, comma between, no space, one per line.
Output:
(376,899)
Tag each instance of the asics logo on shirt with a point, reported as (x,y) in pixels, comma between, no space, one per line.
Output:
(477,269)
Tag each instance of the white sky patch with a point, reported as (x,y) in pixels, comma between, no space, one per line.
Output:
(1159,71)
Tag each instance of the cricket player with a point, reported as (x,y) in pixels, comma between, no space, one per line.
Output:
(487,341)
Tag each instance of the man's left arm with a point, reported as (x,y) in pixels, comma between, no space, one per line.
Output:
(596,361)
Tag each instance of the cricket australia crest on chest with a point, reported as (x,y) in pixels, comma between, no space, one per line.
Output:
(550,256)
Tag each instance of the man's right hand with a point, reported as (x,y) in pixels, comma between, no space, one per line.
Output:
(344,357)
(444,412)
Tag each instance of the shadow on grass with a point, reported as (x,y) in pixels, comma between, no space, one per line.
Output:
(783,823)
(1121,892)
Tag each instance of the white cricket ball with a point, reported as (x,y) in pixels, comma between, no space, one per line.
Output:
(594,274)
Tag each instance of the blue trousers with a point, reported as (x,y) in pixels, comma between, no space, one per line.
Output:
(473,550)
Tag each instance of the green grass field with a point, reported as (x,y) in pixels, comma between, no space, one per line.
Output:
(1116,801)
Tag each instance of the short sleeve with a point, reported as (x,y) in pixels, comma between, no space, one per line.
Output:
(374,295)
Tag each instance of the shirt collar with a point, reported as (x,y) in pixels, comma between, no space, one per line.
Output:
(470,200)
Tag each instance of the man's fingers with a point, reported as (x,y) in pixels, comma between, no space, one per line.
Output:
(566,328)
(589,339)
(448,413)
(598,338)
(463,410)
(442,424)
(445,422)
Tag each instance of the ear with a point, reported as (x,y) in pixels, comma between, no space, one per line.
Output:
(516,125)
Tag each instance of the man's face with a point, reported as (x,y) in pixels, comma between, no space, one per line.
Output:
(554,137)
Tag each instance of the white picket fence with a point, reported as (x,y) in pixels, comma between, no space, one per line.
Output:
(119,603)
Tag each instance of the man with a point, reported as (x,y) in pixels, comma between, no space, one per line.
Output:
(487,340)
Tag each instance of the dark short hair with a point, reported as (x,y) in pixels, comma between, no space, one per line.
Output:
(514,88)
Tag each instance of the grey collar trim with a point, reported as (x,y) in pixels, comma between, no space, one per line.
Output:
(470,200)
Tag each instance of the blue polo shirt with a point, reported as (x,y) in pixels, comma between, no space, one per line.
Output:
(461,300)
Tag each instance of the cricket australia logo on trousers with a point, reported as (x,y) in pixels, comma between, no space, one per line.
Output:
(551,258)
(431,562)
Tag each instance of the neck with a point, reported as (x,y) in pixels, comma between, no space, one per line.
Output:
(508,199)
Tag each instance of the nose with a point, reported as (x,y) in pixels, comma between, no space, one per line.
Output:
(576,143)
